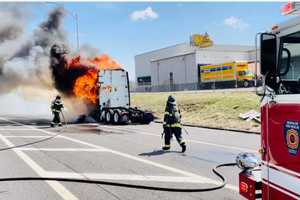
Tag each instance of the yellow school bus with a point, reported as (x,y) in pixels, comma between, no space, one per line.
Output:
(231,71)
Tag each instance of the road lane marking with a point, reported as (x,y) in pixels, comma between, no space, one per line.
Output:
(63,149)
(125,177)
(15,129)
(58,187)
(175,170)
(26,136)
(194,141)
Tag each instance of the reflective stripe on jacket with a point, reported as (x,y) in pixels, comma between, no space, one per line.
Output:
(178,125)
(56,106)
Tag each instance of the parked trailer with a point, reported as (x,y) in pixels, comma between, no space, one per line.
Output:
(114,99)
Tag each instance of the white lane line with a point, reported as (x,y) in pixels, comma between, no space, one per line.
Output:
(194,141)
(175,170)
(126,177)
(63,149)
(26,136)
(15,129)
(59,188)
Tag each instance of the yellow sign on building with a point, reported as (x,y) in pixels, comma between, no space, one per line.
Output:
(201,41)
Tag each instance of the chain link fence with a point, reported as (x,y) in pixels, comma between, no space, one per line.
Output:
(196,86)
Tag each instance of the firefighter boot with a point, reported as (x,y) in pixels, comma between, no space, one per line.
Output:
(166,147)
(183,146)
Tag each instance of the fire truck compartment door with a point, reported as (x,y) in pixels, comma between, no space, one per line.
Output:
(282,161)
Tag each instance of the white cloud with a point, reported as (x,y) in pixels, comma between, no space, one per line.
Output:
(146,14)
(236,23)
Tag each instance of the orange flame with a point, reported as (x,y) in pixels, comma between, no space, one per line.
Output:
(85,86)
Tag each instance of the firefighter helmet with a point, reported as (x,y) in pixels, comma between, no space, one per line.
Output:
(171,100)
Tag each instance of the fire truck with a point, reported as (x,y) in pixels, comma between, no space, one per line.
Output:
(278,176)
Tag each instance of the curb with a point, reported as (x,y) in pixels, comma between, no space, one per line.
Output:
(214,128)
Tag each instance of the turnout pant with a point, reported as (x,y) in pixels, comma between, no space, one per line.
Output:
(56,119)
(169,131)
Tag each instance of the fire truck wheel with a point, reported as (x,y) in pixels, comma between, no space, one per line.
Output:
(108,116)
(246,84)
(116,117)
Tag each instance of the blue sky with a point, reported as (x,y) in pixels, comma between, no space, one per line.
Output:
(124,30)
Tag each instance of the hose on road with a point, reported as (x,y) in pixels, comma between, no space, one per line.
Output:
(144,187)
(38,141)
(117,184)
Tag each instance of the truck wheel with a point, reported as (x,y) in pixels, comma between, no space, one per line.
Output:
(246,84)
(124,119)
(116,117)
(147,118)
(102,116)
(108,116)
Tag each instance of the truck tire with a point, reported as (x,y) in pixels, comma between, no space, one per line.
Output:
(124,119)
(116,117)
(108,116)
(147,118)
(102,116)
(246,83)
(213,86)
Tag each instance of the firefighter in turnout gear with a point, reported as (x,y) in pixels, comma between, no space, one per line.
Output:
(56,108)
(172,125)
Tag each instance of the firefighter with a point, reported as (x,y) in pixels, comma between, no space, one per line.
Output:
(172,125)
(56,108)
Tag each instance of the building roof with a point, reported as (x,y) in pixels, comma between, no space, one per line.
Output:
(241,48)
(186,48)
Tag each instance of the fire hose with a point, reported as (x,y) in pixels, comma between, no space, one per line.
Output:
(144,187)
(37,141)
(117,184)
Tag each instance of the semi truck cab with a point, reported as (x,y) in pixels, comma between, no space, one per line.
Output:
(114,99)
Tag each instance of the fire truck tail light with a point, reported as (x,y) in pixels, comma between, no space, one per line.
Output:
(249,186)
(243,187)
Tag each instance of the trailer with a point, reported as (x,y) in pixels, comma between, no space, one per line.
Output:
(114,99)
(278,177)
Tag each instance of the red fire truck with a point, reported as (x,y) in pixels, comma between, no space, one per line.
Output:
(278,177)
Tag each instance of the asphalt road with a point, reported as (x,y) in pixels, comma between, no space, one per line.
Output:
(127,154)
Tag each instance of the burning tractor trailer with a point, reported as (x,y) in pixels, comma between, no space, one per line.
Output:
(114,99)
(100,82)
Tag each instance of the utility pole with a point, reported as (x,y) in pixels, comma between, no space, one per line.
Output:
(77,30)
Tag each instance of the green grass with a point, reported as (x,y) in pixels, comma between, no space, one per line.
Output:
(212,109)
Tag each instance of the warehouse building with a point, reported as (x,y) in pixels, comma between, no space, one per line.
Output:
(177,67)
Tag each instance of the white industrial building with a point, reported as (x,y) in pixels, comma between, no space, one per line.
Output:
(178,65)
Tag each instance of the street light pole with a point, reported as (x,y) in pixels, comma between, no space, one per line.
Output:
(77,30)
